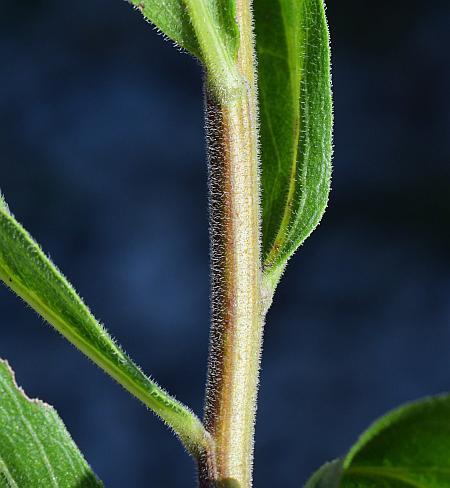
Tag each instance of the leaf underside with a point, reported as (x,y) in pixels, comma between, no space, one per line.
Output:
(296,122)
(35,448)
(407,448)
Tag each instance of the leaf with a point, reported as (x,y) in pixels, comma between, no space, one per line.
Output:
(407,448)
(28,272)
(328,476)
(35,448)
(3,204)
(191,23)
(172,19)
(292,45)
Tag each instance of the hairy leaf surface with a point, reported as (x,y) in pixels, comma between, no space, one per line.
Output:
(35,448)
(407,448)
(296,121)
(27,271)
(173,19)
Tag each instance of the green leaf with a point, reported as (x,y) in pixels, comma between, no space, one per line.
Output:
(207,29)
(172,19)
(328,476)
(27,271)
(296,124)
(407,448)
(35,448)
(3,204)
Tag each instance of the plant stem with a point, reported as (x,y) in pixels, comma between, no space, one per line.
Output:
(237,318)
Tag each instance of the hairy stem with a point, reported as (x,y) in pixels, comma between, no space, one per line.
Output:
(237,318)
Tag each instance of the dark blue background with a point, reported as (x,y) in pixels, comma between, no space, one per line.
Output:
(102,159)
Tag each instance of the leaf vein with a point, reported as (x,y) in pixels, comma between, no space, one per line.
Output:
(32,432)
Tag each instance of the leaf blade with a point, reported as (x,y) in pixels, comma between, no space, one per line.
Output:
(327,476)
(407,448)
(35,447)
(172,19)
(26,270)
(414,439)
(292,43)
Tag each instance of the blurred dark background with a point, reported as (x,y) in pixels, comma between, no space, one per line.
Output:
(102,159)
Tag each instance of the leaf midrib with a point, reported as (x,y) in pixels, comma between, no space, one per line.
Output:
(95,353)
(395,473)
(33,435)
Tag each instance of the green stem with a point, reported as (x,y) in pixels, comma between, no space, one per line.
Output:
(221,67)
